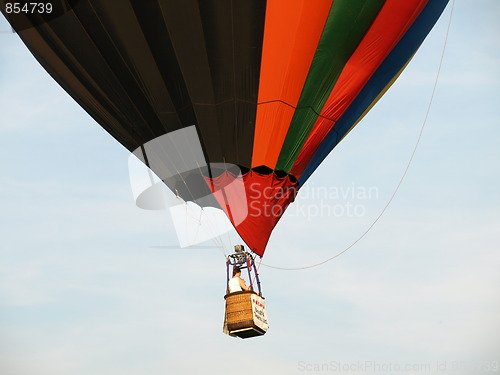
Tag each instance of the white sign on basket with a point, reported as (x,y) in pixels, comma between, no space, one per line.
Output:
(259,312)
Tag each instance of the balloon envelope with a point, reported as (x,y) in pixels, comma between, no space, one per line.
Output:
(270,86)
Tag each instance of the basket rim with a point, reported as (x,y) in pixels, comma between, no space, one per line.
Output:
(243,292)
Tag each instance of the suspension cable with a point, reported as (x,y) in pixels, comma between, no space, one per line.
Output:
(404,173)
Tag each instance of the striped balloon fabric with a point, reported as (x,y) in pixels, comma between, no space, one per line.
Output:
(271,86)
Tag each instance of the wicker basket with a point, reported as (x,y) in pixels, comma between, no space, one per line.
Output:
(239,317)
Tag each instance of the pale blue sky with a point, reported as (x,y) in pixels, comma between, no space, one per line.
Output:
(83,290)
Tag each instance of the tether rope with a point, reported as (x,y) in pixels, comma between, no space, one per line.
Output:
(404,173)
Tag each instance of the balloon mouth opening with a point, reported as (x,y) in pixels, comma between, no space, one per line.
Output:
(265,170)
(215,170)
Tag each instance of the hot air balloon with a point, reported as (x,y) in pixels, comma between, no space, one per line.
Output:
(268,88)
(231,103)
